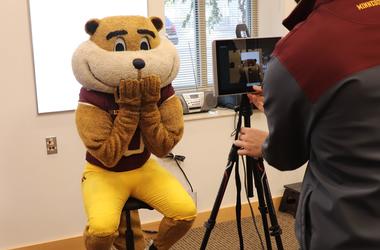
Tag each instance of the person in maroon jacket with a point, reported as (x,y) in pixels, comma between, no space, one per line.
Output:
(321,98)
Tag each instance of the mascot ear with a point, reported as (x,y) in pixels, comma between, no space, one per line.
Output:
(91,26)
(157,22)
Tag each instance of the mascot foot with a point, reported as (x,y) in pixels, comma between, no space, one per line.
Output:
(169,232)
(151,246)
(99,243)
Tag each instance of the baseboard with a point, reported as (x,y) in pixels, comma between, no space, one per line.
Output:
(224,214)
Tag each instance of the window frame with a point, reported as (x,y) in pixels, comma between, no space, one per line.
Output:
(200,31)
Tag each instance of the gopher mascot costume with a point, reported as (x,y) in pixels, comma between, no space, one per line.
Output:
(127,111)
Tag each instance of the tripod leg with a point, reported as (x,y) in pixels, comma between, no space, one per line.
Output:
(262,205)
(209,225)
(275,227)
(238,206)
(252,167)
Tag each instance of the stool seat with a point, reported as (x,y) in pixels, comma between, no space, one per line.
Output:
(134,204)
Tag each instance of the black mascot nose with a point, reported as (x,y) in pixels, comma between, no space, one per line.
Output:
(138,63)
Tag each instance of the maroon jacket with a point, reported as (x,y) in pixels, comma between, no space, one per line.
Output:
(322,99)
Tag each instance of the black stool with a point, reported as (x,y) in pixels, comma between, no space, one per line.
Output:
(289,201)
(132,204)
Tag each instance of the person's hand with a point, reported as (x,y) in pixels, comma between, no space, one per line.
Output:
(250,142)
(257,98)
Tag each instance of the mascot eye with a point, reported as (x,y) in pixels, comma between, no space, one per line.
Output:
(120,45)
(144,44)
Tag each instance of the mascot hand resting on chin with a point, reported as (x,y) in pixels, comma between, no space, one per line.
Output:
(127,111)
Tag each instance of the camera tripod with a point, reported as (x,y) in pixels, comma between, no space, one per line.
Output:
(256,172)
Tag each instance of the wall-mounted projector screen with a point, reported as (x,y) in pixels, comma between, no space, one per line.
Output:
(57,30)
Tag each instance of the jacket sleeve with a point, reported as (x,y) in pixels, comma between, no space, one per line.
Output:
(288,114)
(162,127)
(105,139)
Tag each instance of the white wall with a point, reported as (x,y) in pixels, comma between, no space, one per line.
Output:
(40,196)
(271,14)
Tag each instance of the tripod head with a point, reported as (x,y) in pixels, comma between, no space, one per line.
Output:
(245,107)
(253,166)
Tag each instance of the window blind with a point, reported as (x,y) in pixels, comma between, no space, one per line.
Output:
(197,24)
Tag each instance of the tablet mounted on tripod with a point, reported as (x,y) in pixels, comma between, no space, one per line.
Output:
(238,65)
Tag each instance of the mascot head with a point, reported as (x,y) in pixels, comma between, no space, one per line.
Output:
(124,47)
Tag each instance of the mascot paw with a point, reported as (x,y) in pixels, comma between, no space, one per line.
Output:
(150,89)
(128,93)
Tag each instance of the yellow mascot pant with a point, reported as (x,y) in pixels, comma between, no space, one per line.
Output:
(105,192)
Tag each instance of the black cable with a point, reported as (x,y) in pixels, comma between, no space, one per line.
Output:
(249,203)
(176,158)
(237,181)
(235,124)
(181,158)
(238,204)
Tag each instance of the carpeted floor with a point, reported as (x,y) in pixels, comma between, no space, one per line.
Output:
(224,235)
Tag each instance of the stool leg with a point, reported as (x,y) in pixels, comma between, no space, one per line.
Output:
(129,233)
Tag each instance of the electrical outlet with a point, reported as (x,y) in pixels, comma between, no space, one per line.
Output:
(51,145)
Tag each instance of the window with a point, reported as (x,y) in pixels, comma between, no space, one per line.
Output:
(55,38)
(192,25)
